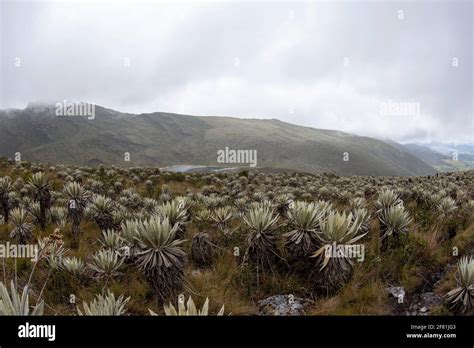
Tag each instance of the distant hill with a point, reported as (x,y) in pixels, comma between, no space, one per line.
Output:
(449,148)
(164,139)
(442,162)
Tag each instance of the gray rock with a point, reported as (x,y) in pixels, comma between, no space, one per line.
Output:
(423,303)
(285,305)
(398,292)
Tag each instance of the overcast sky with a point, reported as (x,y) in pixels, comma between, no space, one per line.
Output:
(333,65)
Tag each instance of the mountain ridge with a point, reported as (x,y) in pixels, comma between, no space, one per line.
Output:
(165,139)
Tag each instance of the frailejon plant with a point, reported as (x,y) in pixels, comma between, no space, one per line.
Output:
(394,222)
(222,217)
(160,256)
(202,250)
(77,201)
(186,203)
(325,206)
(131,200)
(261,239)
(282,202)
(111,240)
(54,254)
(106,305)
(241,205)
(357,203)
(121,214)
(337,248)
(41,187)
(129,235)
(176,213)
(446,206)
(34,209)
(101,210)
(387,198)
(461,298)
(74,265)
(362,216)
(106,264)
(59,216)
(304,222)
(14,304)
(6,188)
(213,202)
(23,229)
(204,216)
(187,309)
(52,249)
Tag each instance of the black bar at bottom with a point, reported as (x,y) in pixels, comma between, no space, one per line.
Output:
(131,330)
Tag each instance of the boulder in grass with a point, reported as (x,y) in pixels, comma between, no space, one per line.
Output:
(282,305)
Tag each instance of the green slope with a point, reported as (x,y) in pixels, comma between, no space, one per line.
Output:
(163,139)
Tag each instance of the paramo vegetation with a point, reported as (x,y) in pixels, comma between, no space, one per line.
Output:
(137,241)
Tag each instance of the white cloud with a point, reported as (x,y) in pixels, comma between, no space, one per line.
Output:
(291,58)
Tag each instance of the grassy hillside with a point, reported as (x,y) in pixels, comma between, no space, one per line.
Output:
(439,161)
(161,139)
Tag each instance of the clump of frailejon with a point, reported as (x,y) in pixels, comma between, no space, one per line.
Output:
(230,156)
(68,108)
